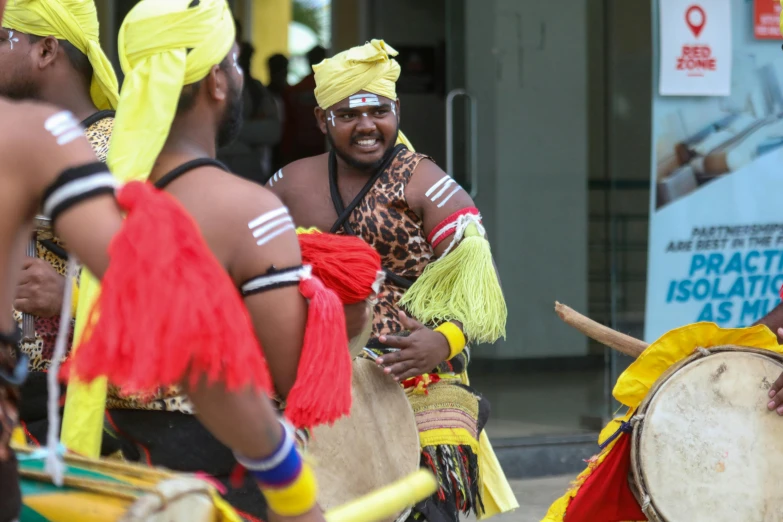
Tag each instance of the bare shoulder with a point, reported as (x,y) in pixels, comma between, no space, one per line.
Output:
(218,197)
(431,190)
(298,175)
(44,141)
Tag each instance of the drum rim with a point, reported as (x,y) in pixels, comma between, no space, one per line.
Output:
(635,478)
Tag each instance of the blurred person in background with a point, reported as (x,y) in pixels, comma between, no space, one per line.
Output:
(250,156)
(301,136)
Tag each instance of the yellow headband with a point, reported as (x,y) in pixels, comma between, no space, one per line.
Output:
(369,67)
(76,22)
(163,46)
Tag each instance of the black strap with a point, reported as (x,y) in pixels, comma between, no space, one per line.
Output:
(187,167)
(343,212)
(265,278)
(54,248)
(95,118)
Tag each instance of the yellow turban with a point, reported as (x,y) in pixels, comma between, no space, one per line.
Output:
(369,67)
(163,46)
(76,22)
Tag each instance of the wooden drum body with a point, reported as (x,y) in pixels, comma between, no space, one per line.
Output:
(704,445)
(112,491)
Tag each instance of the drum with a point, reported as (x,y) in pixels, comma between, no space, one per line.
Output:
(109,490)
(704,445)
(378,444)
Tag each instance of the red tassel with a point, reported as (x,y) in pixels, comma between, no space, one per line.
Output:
(322,392)
(167,310)
(345,264)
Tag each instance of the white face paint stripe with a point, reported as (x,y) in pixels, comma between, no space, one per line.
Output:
(12,40)
(263,218)
(443,189)
(332,118)
(436,185)
(277,177)
(449,197)
(270,237)
(64,127)
(59,120)
(394,108)
(67,138)
(363,100)
(271,226)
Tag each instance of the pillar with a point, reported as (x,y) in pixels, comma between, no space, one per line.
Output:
(269,33)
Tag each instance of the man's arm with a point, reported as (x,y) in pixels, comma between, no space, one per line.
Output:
(264,239)
(773,321)
(436,198)
(88,226)
(279,184)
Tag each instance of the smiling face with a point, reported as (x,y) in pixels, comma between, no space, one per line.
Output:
(362,129)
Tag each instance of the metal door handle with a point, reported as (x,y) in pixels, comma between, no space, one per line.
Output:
(474,178)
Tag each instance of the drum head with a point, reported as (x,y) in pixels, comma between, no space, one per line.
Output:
(376,445)
(707,448)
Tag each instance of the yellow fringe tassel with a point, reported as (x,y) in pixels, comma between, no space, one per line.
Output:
(462,286)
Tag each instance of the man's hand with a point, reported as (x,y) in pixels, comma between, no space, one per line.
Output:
(40,289)
(420,352)
(356,316)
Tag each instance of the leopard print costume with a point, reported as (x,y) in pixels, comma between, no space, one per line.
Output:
(98,129)
(385,221)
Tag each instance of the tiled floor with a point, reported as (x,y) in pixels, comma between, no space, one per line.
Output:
(534,497)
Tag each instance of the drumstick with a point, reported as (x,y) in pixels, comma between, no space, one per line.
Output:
(598,332)
(387,501)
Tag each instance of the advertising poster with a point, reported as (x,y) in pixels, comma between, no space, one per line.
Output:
(716,220)
(766,19)
(695,47)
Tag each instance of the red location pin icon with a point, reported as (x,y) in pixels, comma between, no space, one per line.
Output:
(695,17)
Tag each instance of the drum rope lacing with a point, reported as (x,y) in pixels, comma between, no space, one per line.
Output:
(625,427)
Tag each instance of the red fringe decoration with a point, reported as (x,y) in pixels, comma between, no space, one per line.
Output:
(345,264)
(322,392)
(167,310)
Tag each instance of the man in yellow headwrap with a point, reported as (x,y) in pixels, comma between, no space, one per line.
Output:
(437,261)
(49,165)
(50,51)
(182,100)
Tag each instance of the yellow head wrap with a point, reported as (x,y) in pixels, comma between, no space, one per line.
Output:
(369,67)
(76,22)
(163,46)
